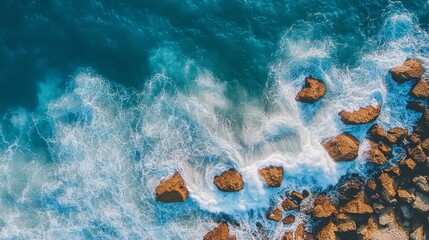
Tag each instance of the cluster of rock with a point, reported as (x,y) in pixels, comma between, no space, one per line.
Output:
(393,204)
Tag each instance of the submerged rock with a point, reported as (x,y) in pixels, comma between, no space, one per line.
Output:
(172,189)
(273,176)
(420,89)
(343,147)
(361,116)
(410,69)
(229,181)
(312,91)
(416,106)
(221,232)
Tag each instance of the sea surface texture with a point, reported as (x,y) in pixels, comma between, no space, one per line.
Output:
(100,100)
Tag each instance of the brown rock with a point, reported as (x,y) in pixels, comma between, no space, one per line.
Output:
(289,219)
(373,232)
(417,154)
(312,91)
(343,147)
(275,215)
(296,196)
(393,171)
(371,185)
(410,69)
(405,195)
(272,176)
(299,234)
(350,189)
(420,89)
(385,149)
(327,232)
(386,217)
(396,134)
(414,138)
(221,232)
(376,132)
(323,207)
(229,181)
(344,223)
(416,106)
(387,184)
(361,116)
(407,164)
(374,155)
(288,204)
(421,202)
(418,234)
(422,183)
(357,206)
(172,189)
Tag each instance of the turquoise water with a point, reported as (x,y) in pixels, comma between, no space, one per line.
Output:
(100,100)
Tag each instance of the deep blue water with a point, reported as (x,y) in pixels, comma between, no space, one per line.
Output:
(102,99)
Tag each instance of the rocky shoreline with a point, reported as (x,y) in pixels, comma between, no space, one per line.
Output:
(391,204)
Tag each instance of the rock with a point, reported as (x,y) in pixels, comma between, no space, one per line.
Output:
(343,147)
(416,106)
(373,232)
(288,204)
(361,116)
(289,219)
(407,212)
(172,189)
(299,234)
(414,138)
(422,183)
(323,207)
(422,126)
(407,164)
(221,232)
(350,189)
(312,91)
(396,134)
(344,223)
(374,155)
(327,232)
(405,195)
(376,132)
(386,217)
(229,181)
(273,176)
(393,171)
(371,185)
(387,184)
(296,196)
(275,215)
(410,69)
(420,89)
(421,203)
(385,149)
(357,206)
(417,154)
(418,234)
(425,146)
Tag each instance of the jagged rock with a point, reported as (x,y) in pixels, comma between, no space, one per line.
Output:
(421,203)
(396,134)
(229,181)
(221,232)
(376,132)
(172,189)
(373,232)
(323,207)
(385,149)
(405,195)
(344,223)
(296,196)
(343,147)
(357,206)
(312,91)
(420,89)
(299,234)
(414,138)
(418,234)
(289,219)
(386,217)
(387,184)
(361,116)
(273,176)
(417,154)
(416,106)
(422,183)
(350,189)
(410,69)
(327,232)
(374,155)
(275,215)
(288,204)
(425,145)
(393,171)
(407,212)
(407,164)
(371,185)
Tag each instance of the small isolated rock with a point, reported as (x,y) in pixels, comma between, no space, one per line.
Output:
(387,184)
(418,234)
(422,183)
(343,147)
(361,116)
(416,106)
(323,207)
(327,232)
(296,196)
(422,202)
(410,69)
(420,89)
(289,219)
(374,154)
(417,154)
(312,91)
(229,181)
(357,206)
(273,176)
(221,232)
(275,215)
(405,196)
(172,189)
(288,204)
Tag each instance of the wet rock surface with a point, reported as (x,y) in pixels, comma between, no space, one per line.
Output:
(172,189)
(343,147)
(313,90)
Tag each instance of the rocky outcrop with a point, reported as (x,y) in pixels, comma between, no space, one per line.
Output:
(312,91)
(374,154)
(388,190)
(327,232)
(273,176)
(229,181)
(357,206)
(323,207)
(420,89)
(361,116)
(343,147)
(275,215)
(221,232)
(410,69)
(172,189)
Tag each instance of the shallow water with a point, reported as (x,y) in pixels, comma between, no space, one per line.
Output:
(100,100)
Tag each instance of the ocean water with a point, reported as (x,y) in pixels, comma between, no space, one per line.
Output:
(100,100)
